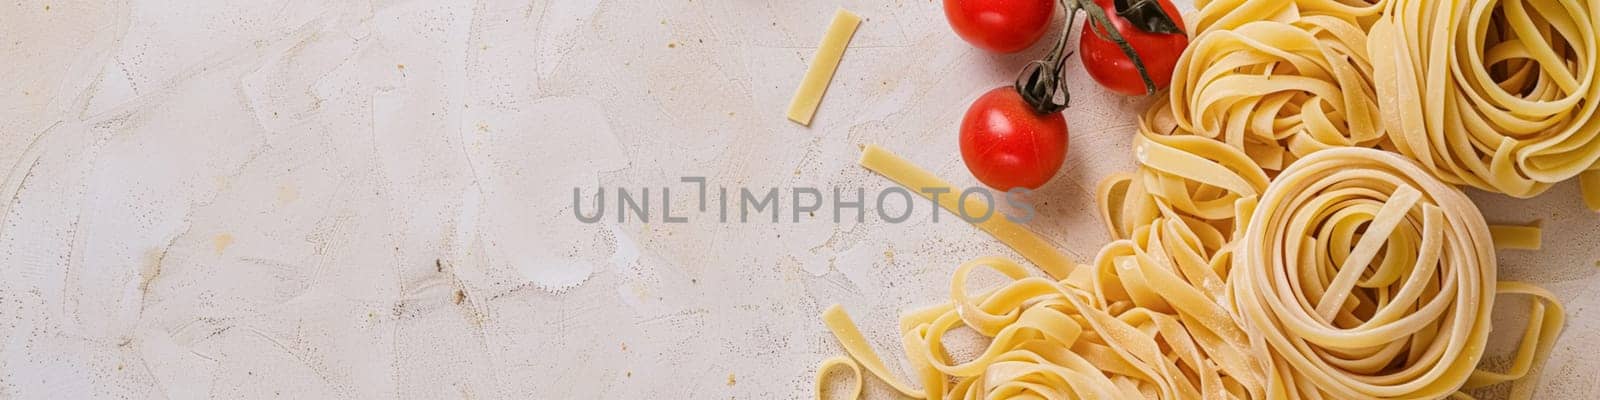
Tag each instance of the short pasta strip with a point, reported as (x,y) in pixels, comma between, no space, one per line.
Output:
(1589,182)
(920,181)
(1515,237)
(860,351)
(823,65)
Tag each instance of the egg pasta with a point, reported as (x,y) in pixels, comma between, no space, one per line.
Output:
(1292,229)
(1498,95)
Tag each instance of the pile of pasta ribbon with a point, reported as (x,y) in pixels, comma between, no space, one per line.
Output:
(1263,249)
(1365,277)
(1497,94)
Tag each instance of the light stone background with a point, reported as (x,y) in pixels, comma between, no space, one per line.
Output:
(372,199)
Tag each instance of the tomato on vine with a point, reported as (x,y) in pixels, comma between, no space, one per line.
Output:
(1008,144)
(1016,137)
(1137,56)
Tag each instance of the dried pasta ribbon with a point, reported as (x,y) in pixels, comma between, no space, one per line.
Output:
(1516,237)
(1230,14)
(1500,95)
(1279,90)
(860,352)
(1365,277)
(922,182)
(1589,182)
(1052,339)
(1355,275)
(1546,318)
(834,363)
(1261,250)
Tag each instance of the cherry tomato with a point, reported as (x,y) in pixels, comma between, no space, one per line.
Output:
(1006,144)
(1001,26)
(1109,65)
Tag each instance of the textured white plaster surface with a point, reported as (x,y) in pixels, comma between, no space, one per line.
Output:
(372,199)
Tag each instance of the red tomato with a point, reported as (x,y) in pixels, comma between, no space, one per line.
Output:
(1006,144)
(1001,26)
(1109,65)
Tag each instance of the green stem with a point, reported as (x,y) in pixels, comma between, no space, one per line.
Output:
(1041,80)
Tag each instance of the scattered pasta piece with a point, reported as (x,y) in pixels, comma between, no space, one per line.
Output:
(1515,237)
(1546,318)
(823,65)
(922,182)
(860,351)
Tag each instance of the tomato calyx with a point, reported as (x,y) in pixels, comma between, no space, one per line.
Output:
(1040,82)
(1148,16)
